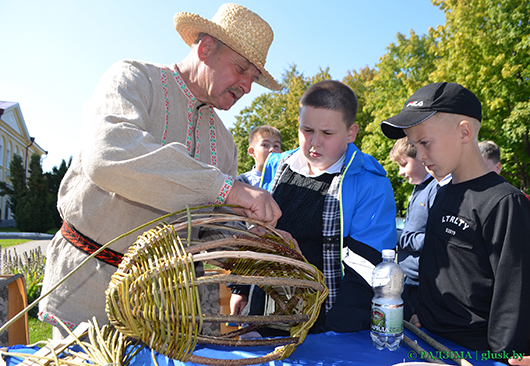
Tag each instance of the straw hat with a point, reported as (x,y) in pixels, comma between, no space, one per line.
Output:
(237,27)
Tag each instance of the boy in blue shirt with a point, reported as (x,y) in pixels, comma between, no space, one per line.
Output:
(262,141)
(410,242)
(336,202)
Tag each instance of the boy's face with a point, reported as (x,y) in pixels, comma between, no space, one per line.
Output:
(494,167)
(262,146)
(411,169)
(438,144)
(323,137)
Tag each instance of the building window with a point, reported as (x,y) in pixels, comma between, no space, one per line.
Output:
(8,155)
(2,144)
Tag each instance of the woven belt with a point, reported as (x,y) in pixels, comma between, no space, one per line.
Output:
(89,246)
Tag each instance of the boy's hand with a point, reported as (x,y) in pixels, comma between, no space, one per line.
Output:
(256,203)
(415,320)
(288,236)
(237,303)
(524,362)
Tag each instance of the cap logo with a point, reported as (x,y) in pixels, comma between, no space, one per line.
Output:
(415,103)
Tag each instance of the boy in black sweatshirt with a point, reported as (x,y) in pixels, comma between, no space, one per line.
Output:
(475,272)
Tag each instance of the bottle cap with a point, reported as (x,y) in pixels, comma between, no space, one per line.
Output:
(389,253)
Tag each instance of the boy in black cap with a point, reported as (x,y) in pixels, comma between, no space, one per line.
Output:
(475,277)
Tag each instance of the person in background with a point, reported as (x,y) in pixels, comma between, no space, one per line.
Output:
(475,280)
(262,141)
(337,203)
(410,242)
(155,145)
(491,155)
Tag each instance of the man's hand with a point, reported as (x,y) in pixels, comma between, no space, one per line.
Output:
(237,303)
(257,203)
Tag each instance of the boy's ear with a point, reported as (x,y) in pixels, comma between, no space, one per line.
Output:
(466,131)
(352,132)
(250,151)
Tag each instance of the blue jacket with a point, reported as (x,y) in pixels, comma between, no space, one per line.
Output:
(368,210)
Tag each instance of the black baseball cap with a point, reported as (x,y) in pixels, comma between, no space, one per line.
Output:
(429,99)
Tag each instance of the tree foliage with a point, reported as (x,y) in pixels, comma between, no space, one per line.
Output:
(53,181)
(485,46)
(18,189)
(33,211)
(33,201)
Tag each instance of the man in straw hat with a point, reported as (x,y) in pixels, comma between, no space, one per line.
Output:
(155,146)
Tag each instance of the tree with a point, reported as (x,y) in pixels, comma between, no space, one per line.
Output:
(29,201)
(18,189)
(34,214)
(485,46)
(406,66)
(53,180)
(359,82)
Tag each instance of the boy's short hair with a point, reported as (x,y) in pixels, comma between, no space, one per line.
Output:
(490,151)
(402,148)
(333,95)
(263,130)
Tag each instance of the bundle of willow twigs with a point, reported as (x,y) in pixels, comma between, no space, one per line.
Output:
(154,297)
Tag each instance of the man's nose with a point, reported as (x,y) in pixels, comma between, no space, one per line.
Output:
(246,83)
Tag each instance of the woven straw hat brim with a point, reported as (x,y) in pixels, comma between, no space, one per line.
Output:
(189,26)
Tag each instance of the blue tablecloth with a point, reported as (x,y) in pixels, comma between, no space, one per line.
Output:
(338,349)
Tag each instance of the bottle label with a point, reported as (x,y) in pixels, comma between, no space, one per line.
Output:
(387,319)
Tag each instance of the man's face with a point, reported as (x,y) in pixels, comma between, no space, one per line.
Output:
(226,77)
(323,137)
(437,144)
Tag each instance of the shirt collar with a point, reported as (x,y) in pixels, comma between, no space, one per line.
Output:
(298,164)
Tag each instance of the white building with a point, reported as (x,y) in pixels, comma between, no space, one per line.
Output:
(14,139)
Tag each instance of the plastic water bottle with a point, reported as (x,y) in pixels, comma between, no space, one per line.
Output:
(387,305)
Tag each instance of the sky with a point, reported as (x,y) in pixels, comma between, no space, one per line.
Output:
(54,52)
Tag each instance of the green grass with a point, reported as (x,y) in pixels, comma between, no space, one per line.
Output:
(39,331)
(9,230)
(6,243)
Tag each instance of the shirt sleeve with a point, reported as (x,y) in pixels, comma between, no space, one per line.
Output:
(373,218)
(509,318)
(123,155)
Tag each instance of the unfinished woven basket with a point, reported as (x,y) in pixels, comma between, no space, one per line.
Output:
(154,294)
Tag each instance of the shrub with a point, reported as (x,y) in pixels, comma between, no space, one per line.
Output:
(31,264)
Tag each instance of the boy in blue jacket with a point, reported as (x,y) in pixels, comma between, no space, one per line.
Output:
(336,202)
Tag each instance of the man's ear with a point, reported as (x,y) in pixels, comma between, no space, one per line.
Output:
(205,47)
(250,151)
(352,132)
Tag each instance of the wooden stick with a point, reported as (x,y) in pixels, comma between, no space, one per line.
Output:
(58,346)
(420,350)
(437,345)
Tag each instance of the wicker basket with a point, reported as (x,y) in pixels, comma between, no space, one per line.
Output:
(154,294)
